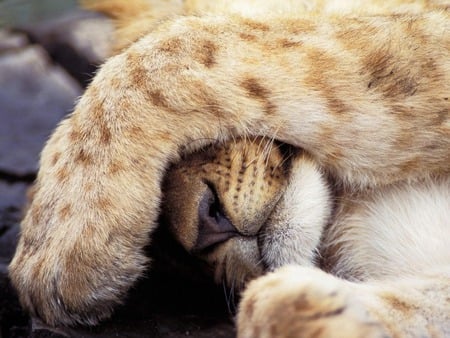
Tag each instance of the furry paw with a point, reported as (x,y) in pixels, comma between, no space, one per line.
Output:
(303,302)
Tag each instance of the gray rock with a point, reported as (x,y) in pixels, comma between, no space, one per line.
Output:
(12,196)
(9,40)
(35,95)
(13,321)
(79,42)
(12,200)
(8,243)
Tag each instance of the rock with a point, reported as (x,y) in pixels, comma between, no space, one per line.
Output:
(12,201)
(9,40)
(12,197)
(79,42)
(8,243)
(13,321)
(35,95)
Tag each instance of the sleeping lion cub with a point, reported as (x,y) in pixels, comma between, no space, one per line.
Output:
(251,206)
(362,87)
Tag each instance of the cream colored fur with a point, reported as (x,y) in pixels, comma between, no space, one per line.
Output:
(392,244)
(364,91)
(385,249)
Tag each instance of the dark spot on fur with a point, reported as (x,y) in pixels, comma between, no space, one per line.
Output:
(83,157)
(171,46)
(158,99)
(259,92)
(99,122)
(388,75)
(398,304)
(285,43)
(256,25)
(248,37)
(318,78)
(115,167)
(55,158)
(105,134)
(36,213)
(103,203)
(75,136)
(138,77)
(206,53)
(254,88)
(62,174)
(65,211)
(135,133)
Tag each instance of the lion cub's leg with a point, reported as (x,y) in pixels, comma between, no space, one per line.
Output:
(307,302)
(299,302)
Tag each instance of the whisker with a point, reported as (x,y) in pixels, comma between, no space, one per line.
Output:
(261,141)
(267,151)
(281,163)
(232,298)
(227,300)
(251,162)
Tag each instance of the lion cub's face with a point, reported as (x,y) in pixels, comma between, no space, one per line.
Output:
(247,207)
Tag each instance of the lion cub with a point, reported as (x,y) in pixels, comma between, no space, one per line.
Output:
(251,206)
(362,87)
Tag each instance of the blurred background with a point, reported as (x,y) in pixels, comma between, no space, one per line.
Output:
(20,12)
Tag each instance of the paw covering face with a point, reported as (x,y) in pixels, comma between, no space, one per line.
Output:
(234,206)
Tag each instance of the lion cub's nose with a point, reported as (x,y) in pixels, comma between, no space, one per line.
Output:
(213,225)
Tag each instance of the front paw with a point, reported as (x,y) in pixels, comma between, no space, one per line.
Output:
(303,302)
(73,281)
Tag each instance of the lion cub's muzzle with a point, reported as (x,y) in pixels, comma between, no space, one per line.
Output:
(217,201)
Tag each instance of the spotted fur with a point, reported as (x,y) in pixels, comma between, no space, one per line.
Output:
(365,91)
(381,277)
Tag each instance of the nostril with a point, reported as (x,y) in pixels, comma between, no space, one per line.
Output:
(211,201)
(214,227)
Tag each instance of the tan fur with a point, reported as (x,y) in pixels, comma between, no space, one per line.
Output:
(385,248)
(366,96)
